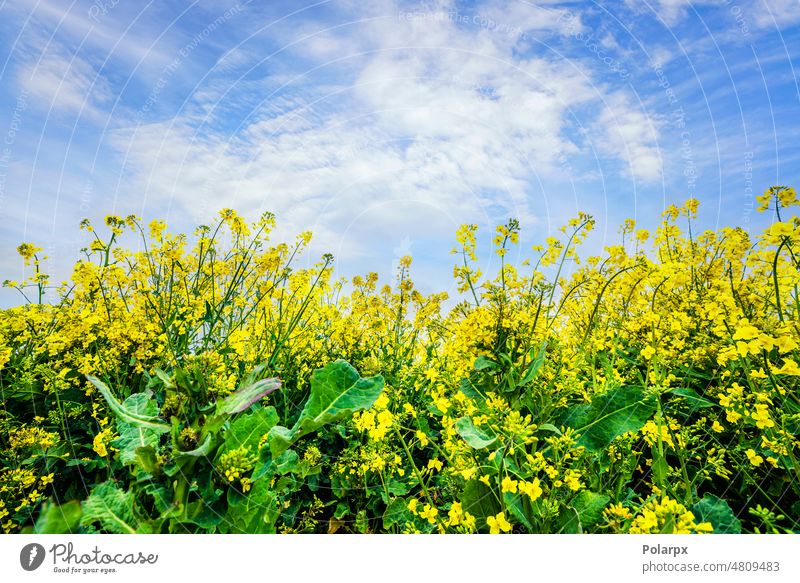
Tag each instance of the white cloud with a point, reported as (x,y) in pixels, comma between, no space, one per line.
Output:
(674,11)
(63,83)
(439,120)
(435,121)
(774,13)
(630,135)
(99,25)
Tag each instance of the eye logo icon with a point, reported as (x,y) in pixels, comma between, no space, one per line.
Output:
(31,556)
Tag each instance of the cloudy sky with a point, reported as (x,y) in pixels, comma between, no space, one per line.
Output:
(382,126)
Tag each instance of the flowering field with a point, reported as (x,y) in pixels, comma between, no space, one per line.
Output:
(202,384)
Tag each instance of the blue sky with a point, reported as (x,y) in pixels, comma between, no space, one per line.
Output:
(382,126)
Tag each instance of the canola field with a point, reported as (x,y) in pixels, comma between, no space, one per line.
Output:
(207,384)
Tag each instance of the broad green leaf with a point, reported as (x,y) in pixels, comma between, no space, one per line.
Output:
(718,513)
(132,436)
(337,391)
(470,390)
(589,506)
(162,497)
(397,488)
(247,430)
(474,437)
(692,398)
(248,395)
(286,462)
(610,415)
(568,521)
(253,513)
(518,506)
(280,439)
(122,413)
(397,512)
(147,459)
(55,519)
(111,507)
(479,500)
(341,511)
(204,513)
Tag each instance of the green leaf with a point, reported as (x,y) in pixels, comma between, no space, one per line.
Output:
(165,378)
(337,391)
(162,497)
(610,415)
(122,413)
(203,450)
(111,507)
(516,505)
(341,511)
(470,390)
(549,427)
(660,468)
(692,398)
(254,513)
(280,439)
(474,437)
(535,365)
(247,430)
(568,521)
(589,506)
(55,519)
(287,462)
(147,460)
(133,436)
(248,395)
(397,488)
(204,513)
(483,363)
(396,513)
(479,500)
(718,513)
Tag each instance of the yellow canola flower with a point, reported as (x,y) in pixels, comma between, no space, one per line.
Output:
(429,513)
(509,485)
(532,489)
(755,459)
(455,515)
(667,516)
(498,524)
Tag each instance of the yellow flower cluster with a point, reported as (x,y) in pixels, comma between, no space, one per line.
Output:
(235,464)
(667,516)
(28,437)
